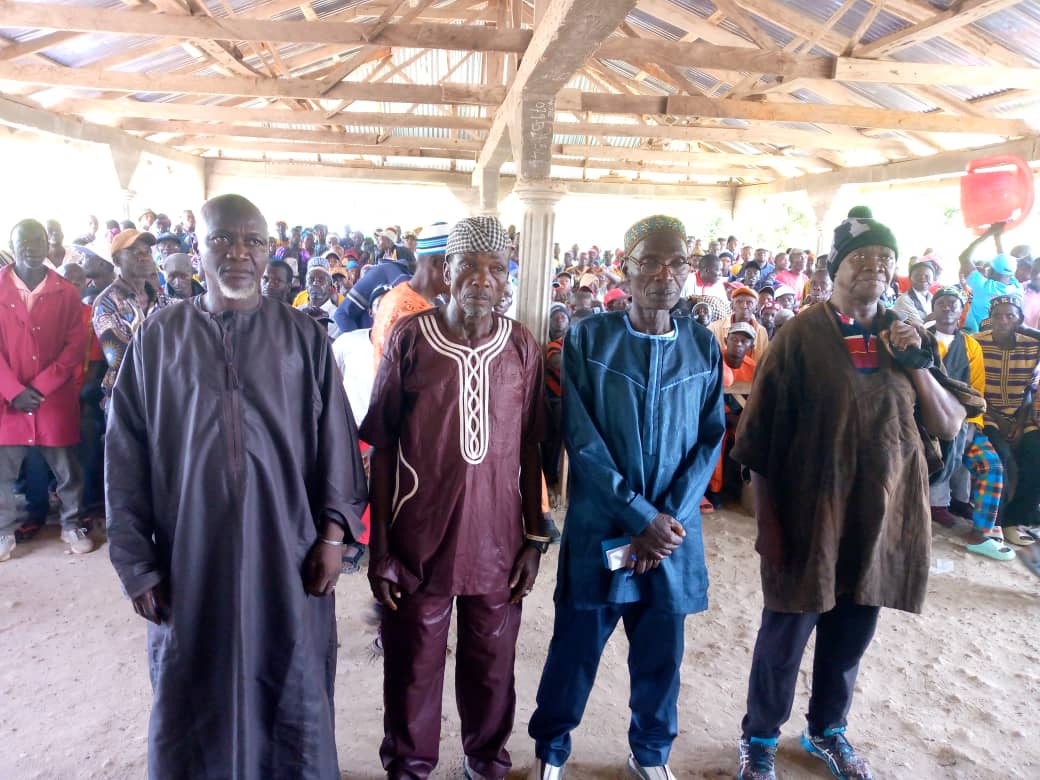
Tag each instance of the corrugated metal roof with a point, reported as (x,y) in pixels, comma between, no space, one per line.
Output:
(1016,28)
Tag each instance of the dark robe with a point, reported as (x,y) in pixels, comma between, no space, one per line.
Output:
(229,440)
(847,468)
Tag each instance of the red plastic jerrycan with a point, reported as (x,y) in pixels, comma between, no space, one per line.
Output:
(996,189)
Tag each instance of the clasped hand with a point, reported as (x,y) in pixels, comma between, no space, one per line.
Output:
(658,541)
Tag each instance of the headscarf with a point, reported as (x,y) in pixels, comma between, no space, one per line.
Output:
(860,229)
(477,234)
(648,226)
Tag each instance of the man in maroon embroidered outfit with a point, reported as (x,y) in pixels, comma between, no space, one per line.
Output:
(456,416)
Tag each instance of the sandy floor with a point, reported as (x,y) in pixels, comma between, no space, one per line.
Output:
(950,694)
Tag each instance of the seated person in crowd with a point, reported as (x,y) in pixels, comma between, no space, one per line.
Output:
(1012,419)
(738,372)
(972,454)
(180,283)
(820,288)
(745,305)
(277,281)
(319,291)
(916,303)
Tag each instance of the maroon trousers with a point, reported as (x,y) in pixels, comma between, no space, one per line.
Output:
(415,643)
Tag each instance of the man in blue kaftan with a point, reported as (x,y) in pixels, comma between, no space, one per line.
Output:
(643,421)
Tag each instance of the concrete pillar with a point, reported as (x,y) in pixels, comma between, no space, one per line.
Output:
(487,195)
(823,200)
(539,197)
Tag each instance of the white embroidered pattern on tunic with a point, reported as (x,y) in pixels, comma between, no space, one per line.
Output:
(474,368)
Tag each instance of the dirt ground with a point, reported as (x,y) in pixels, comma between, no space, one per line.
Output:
(948,694)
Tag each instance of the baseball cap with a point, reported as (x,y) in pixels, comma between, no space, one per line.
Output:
(742,327)
(781,290)
(127,238)
(613,295)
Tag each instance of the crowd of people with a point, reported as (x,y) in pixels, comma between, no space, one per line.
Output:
(411,416)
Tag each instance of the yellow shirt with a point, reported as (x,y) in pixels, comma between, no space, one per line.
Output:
(976,369)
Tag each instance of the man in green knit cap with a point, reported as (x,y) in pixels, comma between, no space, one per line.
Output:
(841,493)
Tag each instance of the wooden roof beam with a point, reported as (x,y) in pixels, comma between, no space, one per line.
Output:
(959,15)
(154,127)
(849,116)
(569,32)
(204,28)
(94,79)
(179,111)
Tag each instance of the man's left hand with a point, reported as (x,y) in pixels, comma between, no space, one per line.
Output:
(904,336)
(322,568)
(525,571)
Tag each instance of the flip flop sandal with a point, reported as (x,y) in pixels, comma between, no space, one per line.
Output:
(1015,535)
(992,549)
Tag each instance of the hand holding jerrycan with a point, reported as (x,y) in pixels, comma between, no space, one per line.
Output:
(996,189)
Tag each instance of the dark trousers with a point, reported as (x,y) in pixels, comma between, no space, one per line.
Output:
(842,636)
(91,452)
(1021,494)
(415,641)
(655,652)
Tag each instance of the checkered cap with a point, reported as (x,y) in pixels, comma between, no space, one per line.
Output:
(477,234)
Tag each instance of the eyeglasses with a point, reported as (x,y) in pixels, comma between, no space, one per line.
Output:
(676,267)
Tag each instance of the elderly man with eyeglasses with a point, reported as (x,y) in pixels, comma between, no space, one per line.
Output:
(642,420)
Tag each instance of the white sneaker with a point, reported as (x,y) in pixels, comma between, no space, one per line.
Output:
(543,770)
(649,772)
(7,545)
(77,540)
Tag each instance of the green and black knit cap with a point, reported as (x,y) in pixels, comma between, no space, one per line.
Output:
(859,229)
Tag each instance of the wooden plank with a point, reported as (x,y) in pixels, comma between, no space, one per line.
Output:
(761,134)
(174,111)
(944,164)
(928,74)
(691,158)
(942,23)
(97,20)
(94,79)
(24,49)
(705,55)
(153,127)
(375,150)
(850,116)
(24,114)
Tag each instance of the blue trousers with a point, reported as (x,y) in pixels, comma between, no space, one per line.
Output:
(655,652)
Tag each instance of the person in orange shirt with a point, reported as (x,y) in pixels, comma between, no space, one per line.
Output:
(418,293)
(738,371)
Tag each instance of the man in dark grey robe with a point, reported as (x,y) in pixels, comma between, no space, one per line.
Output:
(231,488)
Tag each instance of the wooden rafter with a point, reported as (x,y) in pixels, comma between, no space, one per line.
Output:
(428,36)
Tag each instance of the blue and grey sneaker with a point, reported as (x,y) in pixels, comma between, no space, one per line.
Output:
(840,757)
(757,757)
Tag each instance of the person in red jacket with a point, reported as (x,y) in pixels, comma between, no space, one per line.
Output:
(42,344)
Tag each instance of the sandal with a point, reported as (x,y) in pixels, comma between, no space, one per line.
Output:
(1015,535)
(992,549)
